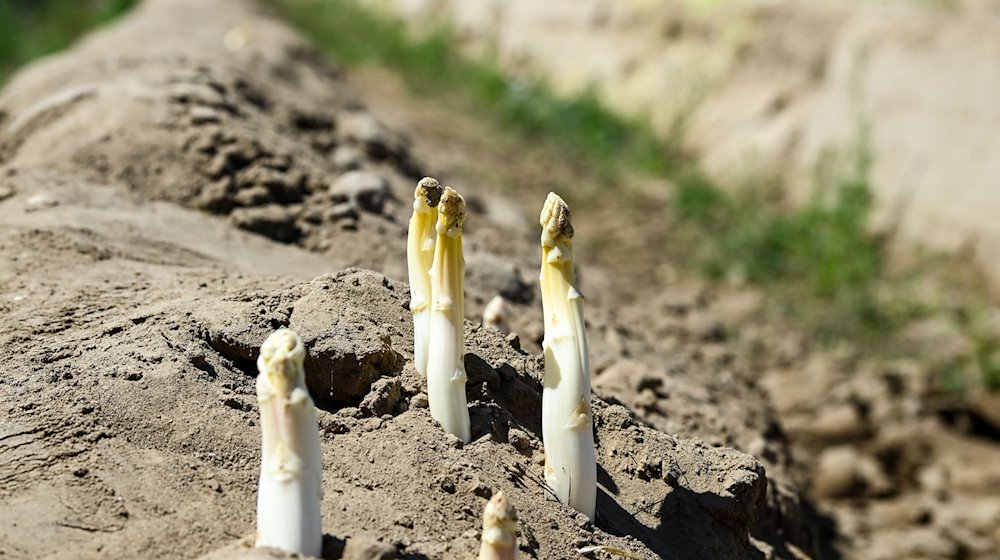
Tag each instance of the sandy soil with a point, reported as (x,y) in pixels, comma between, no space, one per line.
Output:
(186,181)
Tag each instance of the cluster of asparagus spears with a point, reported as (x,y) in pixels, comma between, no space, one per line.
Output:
(288,504)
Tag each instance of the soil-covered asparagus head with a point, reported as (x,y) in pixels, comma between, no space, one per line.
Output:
(451,213)
(499,529)
(555,220)
(428,192)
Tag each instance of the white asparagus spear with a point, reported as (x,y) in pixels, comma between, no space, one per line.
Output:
(567,420)
(419,258)
(288,500)
(446,352)
(499,530)
(495,314)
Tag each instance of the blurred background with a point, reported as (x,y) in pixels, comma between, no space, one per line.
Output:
(30,28)
(827,169)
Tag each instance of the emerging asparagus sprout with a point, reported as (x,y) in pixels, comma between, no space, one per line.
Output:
(499,530)
(495,314)
(567,420)
(445,354)
(288,500)
(419,258)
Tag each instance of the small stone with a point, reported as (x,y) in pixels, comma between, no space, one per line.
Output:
(216,196)
(365,190)
(836,424)
(186,92)
(836,475)
(419,401)
(519,439)
(454,441)
(234,403)
(514,341)
(346,158)
(362,128)
(286,187)
(934,478)
(204,115)
(341,211)
(448,485)
(481,489)
(844,472)
(382,398)
(496,313)
(762,449)
(40,201)
(256,195)
(274,221)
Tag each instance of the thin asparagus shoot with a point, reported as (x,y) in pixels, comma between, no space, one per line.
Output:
(495,314)
(567,420)
(499,530)
(419,258)
(288,500)
(446,350)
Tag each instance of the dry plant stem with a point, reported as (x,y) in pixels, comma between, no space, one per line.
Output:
(419,259)
(567,420)
(446,352)
(288,500)
(499,530)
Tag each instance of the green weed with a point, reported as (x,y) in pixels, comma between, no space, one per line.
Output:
(820,258)
(31,29)
(431,65)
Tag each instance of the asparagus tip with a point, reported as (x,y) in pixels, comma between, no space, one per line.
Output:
(555,219)
(451,211)
(281,358)
(429,190)
(500,513)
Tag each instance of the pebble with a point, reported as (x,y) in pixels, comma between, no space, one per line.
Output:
(519,439)
(346,158)
(204,115)
(382,397)
(40,201)
(835,474)
(837,424)
(364,190)
(419,401)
